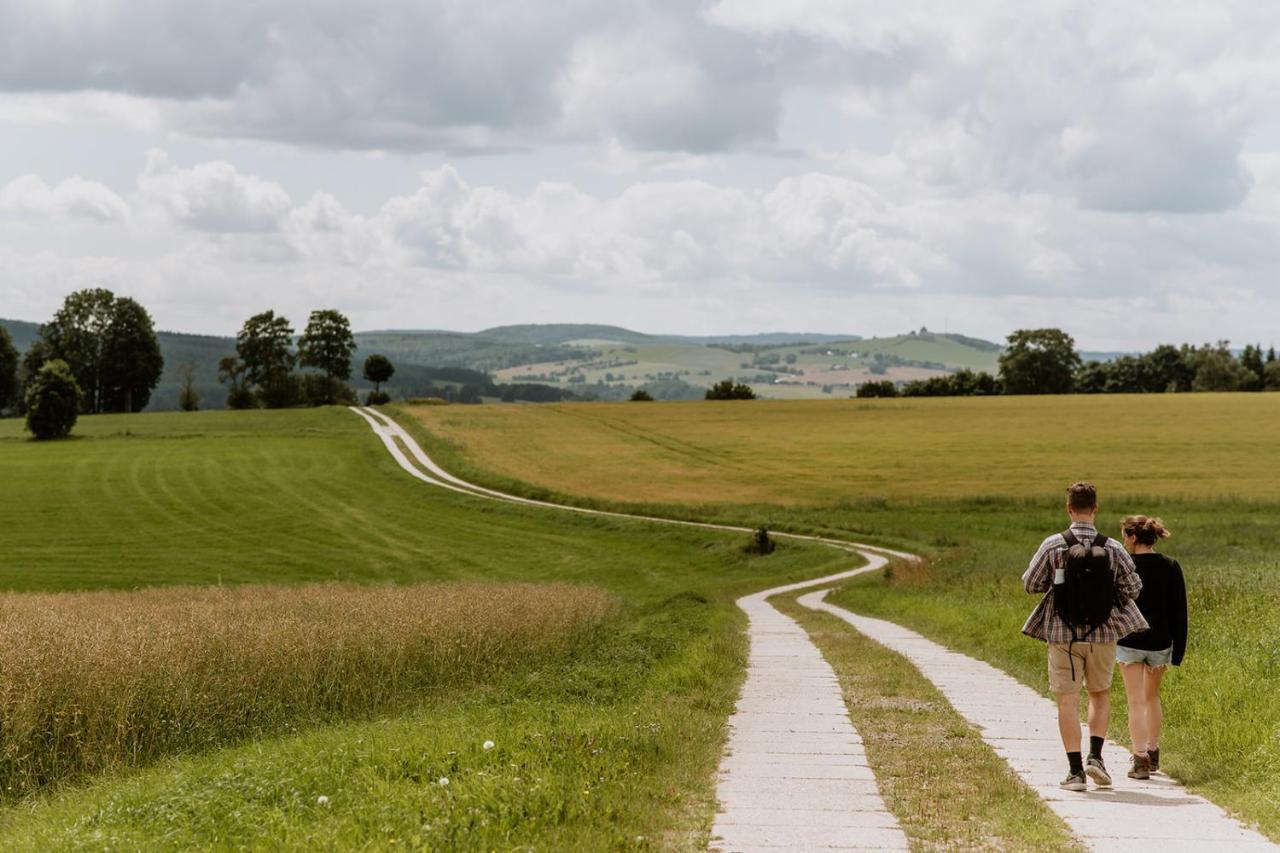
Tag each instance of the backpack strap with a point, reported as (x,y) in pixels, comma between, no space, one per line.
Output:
(1070,538)
(1100,542)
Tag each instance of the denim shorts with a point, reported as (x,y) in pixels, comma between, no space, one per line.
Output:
(1164,657)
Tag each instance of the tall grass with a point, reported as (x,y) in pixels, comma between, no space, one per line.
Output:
(90,681)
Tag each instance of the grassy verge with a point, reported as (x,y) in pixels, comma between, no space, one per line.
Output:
(948,789)
(613,747)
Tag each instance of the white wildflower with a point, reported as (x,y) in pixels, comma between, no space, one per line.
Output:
(489,744)
(322,800)
(444,781)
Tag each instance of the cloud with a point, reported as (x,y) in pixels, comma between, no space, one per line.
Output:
(29,196)
(212,196)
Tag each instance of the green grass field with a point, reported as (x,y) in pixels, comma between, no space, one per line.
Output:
(610,744)
(975,484)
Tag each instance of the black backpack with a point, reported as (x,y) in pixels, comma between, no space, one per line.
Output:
(1088,591)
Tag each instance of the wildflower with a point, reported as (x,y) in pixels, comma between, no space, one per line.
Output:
(444,781)
(489,744)
(322,800)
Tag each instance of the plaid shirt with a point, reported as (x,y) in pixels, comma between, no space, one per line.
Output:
(1045,624)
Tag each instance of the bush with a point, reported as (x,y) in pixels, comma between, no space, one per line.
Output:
(761,542)
(882,388)
(240,397)
(53,401)
(378,398)
(641,396)
(726,389)
(322,390)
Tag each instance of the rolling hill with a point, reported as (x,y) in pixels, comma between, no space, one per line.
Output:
(605,362)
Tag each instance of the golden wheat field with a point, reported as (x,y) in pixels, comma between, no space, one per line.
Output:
(825,452)
(93,680)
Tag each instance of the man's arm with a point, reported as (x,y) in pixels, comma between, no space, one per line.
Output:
(1039,574)
(1128,583)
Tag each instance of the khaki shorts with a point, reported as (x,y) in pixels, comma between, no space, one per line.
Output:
(1094,663)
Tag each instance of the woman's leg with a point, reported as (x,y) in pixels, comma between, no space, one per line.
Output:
(1155,713)
(1135,693)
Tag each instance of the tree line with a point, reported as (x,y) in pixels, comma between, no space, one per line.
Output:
(1046,361)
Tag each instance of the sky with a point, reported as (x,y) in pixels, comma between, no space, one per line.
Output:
(835,166)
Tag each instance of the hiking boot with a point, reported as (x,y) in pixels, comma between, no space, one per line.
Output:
(1141,768)
(1097,771)
(1074,781)
(1153,757)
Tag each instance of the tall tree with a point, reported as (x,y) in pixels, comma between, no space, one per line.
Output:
(1218,370)
(77,335)
(8,371)
(1169,369)
(110,345)
(132,362)
(264,345)
(327,345)
(1251,361)
(1039,361)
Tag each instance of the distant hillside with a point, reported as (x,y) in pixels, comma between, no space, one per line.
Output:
(606,361)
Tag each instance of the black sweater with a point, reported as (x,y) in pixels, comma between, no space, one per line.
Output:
(1163,601)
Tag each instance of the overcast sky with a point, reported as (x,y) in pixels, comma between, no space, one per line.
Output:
(671,166)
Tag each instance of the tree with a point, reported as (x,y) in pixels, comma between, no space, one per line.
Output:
(1092,377)
(263,345)
(378,369)
(1251,360)
(1218,370)
(1271,355)
(53,400)
(188,396)
(1039,361)
(641,396)
(1272,378)
(110,345)
(131,359)
(232,371)
(8,371)
(1169,369)
(726,389)
(327,345)
(881,388)
(77,334)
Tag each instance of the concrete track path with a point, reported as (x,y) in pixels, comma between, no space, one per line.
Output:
(795,775)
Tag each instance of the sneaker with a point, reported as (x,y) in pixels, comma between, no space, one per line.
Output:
(1153,756)
(1074,781)
(1097,771)
(1141,768)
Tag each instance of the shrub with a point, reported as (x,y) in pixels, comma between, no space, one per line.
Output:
(240,397)
(881,388)
(641,396)
(380,398)
(726,389)
(761,542)
(52,400)
(92,681)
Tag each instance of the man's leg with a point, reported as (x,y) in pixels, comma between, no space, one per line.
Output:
(1135,692)
(1099,712)
(1069,721)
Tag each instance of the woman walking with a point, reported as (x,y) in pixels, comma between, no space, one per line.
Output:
(1144,655)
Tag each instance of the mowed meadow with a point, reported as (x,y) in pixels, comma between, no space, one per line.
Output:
(974,484)
(247,629)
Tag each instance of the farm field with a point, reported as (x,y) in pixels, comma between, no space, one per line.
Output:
(975,484)
(608,734)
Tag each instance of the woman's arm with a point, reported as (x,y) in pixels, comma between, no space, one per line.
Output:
(1178,613)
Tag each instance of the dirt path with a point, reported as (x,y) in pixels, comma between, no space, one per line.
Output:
(795,775)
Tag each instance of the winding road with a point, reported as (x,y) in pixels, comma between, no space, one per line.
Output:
(795,775)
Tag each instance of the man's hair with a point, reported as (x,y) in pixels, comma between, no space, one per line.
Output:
(1082,496)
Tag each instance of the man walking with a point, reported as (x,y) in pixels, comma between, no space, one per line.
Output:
(1089,584)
